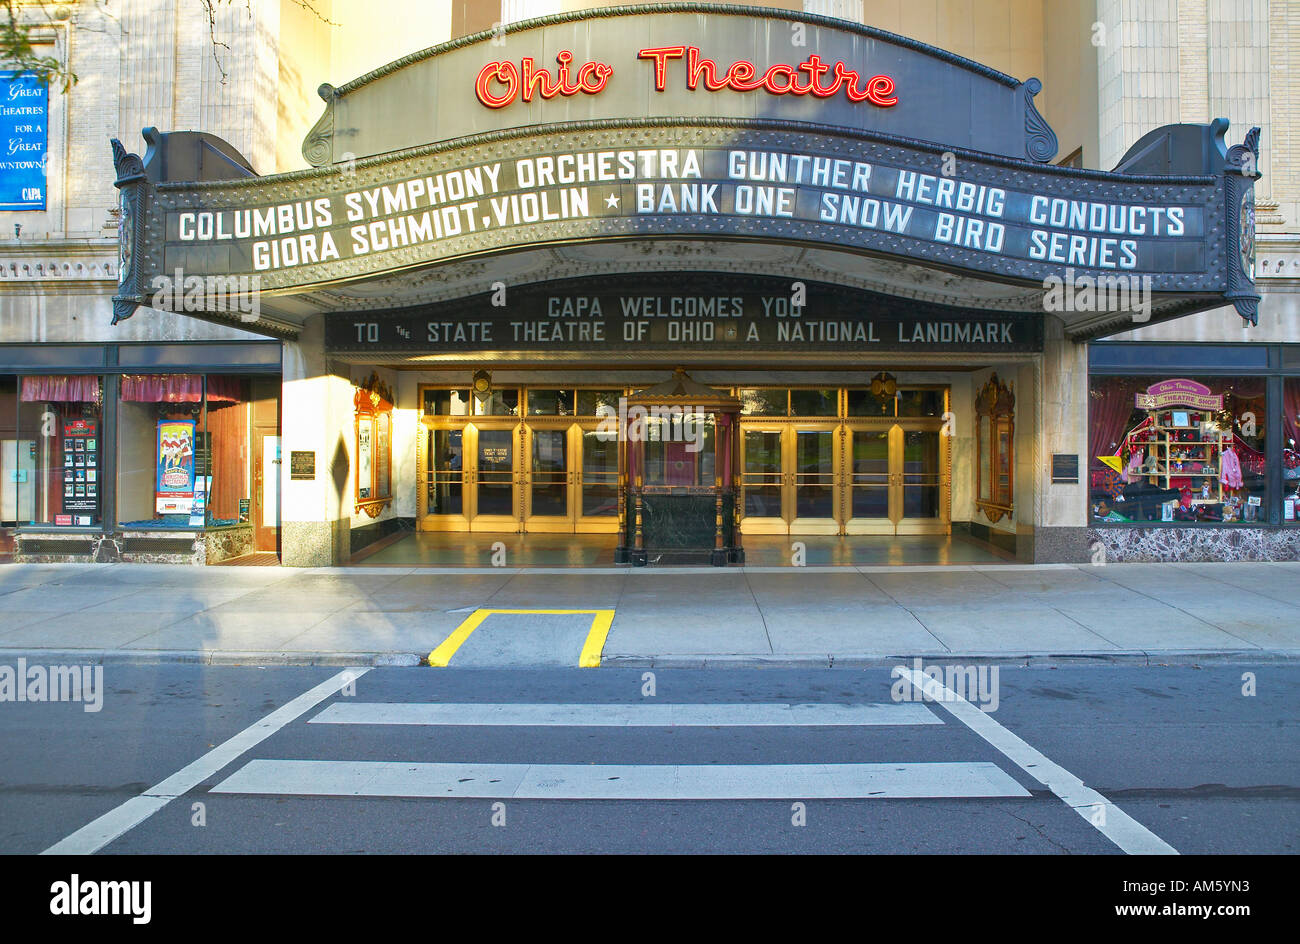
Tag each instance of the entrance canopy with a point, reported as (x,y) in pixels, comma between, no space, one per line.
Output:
(861,157)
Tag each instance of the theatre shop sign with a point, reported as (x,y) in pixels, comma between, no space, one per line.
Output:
(873,144)
(704,312)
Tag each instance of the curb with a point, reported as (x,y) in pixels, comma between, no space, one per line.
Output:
(212,657)
(720,661)
(811,661)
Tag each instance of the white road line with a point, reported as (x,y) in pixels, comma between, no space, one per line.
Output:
(627,715)
(100,832)
(1113,823)
(621,782)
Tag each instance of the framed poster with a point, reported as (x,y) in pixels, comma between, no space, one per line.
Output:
(382,423)
(365,459)
(374,428)
(174,491)
(80,467)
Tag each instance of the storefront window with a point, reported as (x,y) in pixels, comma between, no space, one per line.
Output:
(12,477)
(225,460)
(162,448)
(52,459)
(550,402)
(446,403)
(814,402)
(755,402)
(920,403)
(866,403)
(1181,449)
(498,403)
(590,402)
(1291,450)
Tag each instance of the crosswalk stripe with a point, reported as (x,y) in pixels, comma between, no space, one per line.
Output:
(101,831)
(1109,819)
(621,782)
(626,715)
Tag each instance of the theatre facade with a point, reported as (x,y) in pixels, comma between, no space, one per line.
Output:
(668,275)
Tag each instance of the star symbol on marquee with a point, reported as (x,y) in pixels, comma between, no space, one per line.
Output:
(612,201)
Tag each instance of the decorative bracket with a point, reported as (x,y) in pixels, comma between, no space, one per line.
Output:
(132,189)
(1040,139)
(1241,170)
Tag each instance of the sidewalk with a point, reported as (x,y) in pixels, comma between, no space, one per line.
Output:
(662,616)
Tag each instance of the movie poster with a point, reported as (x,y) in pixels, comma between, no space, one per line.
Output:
(175,489)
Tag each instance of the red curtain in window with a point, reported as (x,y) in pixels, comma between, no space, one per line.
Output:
(1290,413)
(56,389)
(1110,408)
(178,388)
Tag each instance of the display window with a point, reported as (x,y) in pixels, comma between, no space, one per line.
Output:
(51,452)
(229,458)
(183,451)
(1184,450)
(679,450)
(1291,450)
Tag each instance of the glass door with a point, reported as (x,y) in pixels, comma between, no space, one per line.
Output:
(788,479)
(549,482)
(596,498)
(762,480)
(898,479)
(869,505)
(494,478)
(572,478)
(444,493)
(923,477)
(811,480)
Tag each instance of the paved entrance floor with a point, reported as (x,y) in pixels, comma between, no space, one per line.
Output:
(479,549)
(660,616)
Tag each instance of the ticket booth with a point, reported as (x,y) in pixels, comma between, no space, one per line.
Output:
(679,442)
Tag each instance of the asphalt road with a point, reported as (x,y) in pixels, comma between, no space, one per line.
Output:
(582,760)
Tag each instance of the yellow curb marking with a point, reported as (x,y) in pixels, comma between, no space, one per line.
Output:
(601,620)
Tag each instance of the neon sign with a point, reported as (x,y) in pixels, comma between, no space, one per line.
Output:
(528,80)
(502,83)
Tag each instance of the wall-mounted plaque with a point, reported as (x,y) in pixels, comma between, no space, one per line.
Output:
(1065,469)
(302,465)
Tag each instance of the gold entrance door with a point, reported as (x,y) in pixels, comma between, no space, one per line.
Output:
(813,459)
(445,498)
(762,479)
(571,483)
(495,475)
(596,479)
(897,478)
(788,478)
(548,479)
(471,476)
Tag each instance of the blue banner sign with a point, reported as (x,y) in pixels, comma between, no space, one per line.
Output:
(24,113)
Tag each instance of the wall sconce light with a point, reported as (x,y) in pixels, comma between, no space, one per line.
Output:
(884,385)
